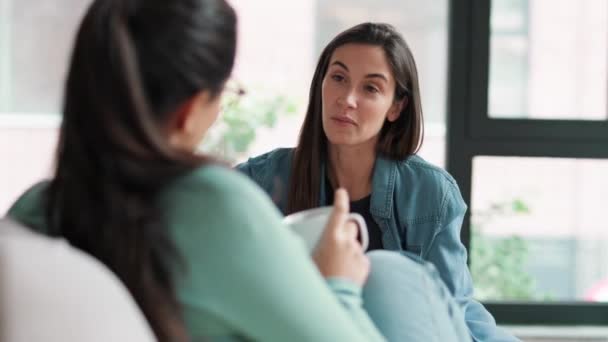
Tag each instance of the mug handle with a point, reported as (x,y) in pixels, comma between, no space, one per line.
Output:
(360,221)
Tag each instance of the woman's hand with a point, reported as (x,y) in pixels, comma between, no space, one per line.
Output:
(338,253)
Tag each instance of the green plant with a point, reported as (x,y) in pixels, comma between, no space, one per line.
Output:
(498,264)
(236,129)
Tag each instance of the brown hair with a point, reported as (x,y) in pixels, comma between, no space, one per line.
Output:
(397,139)
(133,64)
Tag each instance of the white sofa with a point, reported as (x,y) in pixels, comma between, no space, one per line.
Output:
(50,291)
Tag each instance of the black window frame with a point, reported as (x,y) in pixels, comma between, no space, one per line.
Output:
(472,132)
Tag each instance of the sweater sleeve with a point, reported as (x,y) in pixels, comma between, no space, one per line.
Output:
(246,268)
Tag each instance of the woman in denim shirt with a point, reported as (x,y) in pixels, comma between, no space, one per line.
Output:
(362,130)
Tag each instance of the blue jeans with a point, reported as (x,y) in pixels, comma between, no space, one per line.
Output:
(407,300)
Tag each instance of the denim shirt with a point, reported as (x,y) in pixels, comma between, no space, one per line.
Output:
(418,208)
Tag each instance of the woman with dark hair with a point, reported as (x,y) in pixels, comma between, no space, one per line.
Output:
(201,249)
(362,130)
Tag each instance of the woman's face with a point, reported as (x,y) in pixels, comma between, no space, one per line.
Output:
(358,95)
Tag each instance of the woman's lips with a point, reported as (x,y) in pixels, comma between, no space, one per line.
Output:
(344,120)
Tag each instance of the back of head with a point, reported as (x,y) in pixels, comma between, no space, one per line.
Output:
(134,63)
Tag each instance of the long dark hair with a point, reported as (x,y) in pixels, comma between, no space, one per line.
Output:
(134,63)
(397,139)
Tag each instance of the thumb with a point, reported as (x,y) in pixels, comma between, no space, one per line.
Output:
(339,214)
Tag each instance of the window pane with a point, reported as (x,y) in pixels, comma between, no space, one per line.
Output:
(539,229)
(35,44)
(39,35)
(548,59)
(277,55)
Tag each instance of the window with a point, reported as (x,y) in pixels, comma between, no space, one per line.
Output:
(539,234)
(37,40)
(547,58)
(528,144)
(35,43)
(509,53)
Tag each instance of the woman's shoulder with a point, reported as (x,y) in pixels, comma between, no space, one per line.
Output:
(29,208)
(213,182)
(423,171)
(269,167)
(278,153)
(417,176)
(277,158)
(222,202)
(215,189)
(430,190)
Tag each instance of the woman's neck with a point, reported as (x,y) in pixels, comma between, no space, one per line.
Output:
(351,168)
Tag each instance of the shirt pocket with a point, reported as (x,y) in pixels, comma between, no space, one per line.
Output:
(419,235)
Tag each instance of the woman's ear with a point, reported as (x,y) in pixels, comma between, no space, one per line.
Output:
(184,121)
(395,111)
(189,121)
(180,118)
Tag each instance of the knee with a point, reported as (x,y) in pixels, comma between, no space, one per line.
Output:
(394,274)
(388,264)
(392,266)
(386,260)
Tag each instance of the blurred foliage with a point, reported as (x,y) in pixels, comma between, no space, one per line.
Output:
(498,264)
(241,117)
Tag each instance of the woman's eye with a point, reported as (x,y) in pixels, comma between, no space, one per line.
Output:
(337,78)
(371,89)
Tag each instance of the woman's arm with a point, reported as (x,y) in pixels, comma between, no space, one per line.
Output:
(449,256)
(247,268)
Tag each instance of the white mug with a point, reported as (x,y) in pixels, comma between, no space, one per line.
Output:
(310,224)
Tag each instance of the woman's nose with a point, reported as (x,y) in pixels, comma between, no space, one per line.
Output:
(348,98)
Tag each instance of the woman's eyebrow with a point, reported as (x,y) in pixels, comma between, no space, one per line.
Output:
(374,75)
(340,64)
(381,76)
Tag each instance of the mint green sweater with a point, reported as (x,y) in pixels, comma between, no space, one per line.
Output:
(247,275)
